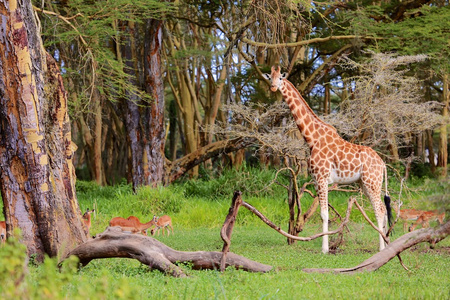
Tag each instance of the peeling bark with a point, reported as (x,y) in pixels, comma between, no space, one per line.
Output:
(144,118)
(154,116)
(149,251)
(36,172)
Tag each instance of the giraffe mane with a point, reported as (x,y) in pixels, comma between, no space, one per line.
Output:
(307,106)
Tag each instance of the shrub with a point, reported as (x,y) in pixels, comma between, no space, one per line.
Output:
(50,280)
(250,181)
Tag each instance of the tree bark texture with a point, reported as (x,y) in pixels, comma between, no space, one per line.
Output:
(154,115)
(145,120)
(430,235)
(115,243)
(37,179)
(132,114)
(443,134)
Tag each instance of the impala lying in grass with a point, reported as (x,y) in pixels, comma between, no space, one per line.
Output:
(422,217)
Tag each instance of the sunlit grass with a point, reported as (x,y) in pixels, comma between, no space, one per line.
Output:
(197,218)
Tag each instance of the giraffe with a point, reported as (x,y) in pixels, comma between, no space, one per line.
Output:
(334,160)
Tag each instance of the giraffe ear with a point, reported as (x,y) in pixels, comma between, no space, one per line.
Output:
(266,76)
(284,75)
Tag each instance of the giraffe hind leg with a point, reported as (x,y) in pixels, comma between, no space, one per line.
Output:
(380,212)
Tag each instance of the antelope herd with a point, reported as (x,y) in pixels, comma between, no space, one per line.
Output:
(422,217)
(134,225)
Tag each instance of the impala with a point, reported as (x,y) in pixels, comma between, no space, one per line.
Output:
(164,222)
(87,218)
(2,231)
(427,216)
(407,214)
(132,224)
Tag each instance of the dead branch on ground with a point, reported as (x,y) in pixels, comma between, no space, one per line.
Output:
(151,252)
(237,201)
(430,235)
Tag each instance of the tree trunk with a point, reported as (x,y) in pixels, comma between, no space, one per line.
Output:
(37,179)
(327,100)
(135,136)
(154,115)
(443,135)
(144,122)
(293,200)
(430,143)
(115,243)
(97,162)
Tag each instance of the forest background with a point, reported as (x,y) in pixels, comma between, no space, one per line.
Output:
(212,54)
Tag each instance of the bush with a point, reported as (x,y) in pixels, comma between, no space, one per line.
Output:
(250,181)
(50,280)
(160,200)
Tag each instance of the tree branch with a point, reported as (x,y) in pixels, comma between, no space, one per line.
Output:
(113,242)
(430,235)
(307,42)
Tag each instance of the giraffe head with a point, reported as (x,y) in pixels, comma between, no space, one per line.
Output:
(275,78)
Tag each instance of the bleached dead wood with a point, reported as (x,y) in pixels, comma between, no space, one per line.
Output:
(430,235)
(115,243)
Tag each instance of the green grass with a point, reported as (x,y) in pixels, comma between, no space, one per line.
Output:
(429,270)
(428,278)
(198,211)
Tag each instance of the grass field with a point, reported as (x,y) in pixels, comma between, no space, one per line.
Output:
(198,209)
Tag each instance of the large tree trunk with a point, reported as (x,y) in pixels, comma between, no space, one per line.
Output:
(145,120)
(115,243)
(132,114)
(154,115)
(37,180)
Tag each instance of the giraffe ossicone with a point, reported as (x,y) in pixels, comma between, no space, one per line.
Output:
(334,160)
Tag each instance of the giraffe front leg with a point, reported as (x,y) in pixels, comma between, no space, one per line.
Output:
(322,190)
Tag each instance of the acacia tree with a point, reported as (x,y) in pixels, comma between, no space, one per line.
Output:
(37,178)
(112,63)
(413,28)
(386,106)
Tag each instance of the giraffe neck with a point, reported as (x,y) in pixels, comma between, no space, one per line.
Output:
(309,124)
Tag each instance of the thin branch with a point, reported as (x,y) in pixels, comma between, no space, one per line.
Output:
(278,229)
(306,42)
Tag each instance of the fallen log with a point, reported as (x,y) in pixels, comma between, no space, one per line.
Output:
(113,242)
(430,235)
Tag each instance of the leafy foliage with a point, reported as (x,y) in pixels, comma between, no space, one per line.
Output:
(49,280)
(250,181)
(423,30)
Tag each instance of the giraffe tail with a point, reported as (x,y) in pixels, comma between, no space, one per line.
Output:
(387,199)
(387,202)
